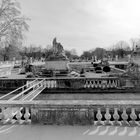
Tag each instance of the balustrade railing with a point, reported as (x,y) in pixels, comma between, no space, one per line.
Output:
(73,83)
(120,113)
(11,113)
(76,83)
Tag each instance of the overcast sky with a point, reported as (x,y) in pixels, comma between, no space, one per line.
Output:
(81,24)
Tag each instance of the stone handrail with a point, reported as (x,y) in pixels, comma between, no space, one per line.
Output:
(28,84)
(32,86)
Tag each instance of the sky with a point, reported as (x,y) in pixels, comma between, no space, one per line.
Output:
(81,24)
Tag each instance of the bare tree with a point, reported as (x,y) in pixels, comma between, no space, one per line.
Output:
(134,42)
(12,23)
(122,48)
(12,27)
(100,53)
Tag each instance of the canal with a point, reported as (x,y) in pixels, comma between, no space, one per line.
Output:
(46,132)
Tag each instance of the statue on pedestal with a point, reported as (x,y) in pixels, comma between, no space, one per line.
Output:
(58,51)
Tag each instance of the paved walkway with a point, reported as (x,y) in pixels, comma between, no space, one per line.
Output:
(44,132)
(86,96)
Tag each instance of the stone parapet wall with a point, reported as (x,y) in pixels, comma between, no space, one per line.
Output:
(74,84)
(82,112)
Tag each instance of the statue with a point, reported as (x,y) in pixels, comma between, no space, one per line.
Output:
(57,47)
(58,51)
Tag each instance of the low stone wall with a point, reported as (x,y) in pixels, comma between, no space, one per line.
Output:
(66,83)
(66,112)
(87,112)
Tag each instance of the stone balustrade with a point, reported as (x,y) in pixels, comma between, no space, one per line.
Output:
(11,114)
(70,83)
(103,112)
(101,83)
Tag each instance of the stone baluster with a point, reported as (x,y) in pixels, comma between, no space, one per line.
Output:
(96,84)
(133,117)
(18,116)
(86,84)
(124,117)
(49,84)
(100,84)
(27,84)
(108,117)
(7,115)
(55,84)
(109,83)
(90,83)
(113,83)
(27,115)
(103,84)
(116,117)
(99,117)
(11,115)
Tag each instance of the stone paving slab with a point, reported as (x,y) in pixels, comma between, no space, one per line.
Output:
(86,96)
(47,132)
